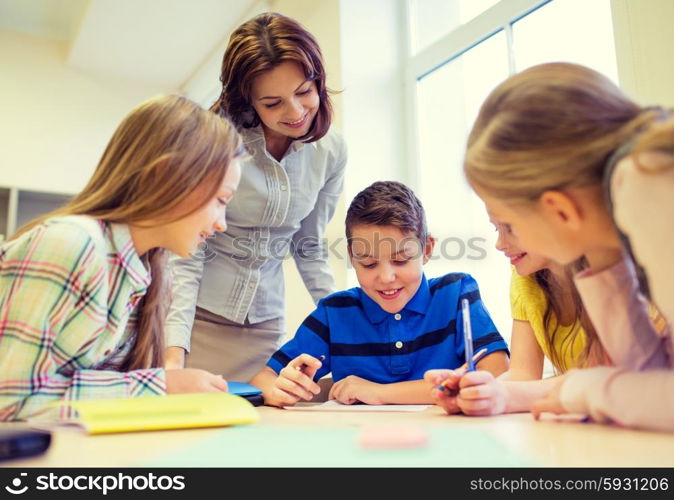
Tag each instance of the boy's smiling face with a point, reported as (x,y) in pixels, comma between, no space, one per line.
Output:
(388,263)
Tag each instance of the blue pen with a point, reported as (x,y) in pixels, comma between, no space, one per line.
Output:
(467,336)
(468,345)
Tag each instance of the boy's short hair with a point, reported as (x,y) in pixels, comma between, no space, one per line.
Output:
(387,203)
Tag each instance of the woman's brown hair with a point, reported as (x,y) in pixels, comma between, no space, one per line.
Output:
(161,152)
(259,45)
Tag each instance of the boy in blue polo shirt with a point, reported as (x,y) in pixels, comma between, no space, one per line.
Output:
(379,339)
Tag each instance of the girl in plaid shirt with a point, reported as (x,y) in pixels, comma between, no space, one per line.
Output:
(82,290)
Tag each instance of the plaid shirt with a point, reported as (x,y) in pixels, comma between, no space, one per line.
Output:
(68,292)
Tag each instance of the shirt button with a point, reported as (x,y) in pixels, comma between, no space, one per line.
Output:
(398,316)
(399,345)
(283,187)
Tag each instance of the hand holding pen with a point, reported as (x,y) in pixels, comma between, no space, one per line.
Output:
(478,392)
(450,385)
(296,380)
(447,385)
(444,379)
(446,382)
(472,392)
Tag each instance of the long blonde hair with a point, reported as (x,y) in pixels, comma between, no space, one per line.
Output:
(552,126)
(658,138)
(162,151)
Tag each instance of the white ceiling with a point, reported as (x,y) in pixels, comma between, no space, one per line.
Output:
(56,19)
(160,42)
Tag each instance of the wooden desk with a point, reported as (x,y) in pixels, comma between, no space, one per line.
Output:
(544,443)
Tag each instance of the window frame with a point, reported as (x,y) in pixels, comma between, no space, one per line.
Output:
(458,41)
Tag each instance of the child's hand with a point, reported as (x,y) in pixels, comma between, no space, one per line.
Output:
(481,394)
(295,382)
(193,380)
(449,379)
(353,389)
(550,402)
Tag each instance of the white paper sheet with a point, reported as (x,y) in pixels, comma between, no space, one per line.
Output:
(334,405)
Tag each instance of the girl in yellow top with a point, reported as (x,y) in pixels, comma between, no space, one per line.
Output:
(537,299)
(548,321)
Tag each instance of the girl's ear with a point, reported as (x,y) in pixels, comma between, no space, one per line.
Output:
(561,209)
(428,248)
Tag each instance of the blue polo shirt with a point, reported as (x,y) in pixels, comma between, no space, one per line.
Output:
(357,337)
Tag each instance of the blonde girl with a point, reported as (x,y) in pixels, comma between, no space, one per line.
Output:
(83,291)
(577,169)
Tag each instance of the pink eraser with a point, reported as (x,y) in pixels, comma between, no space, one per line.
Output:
(398,436)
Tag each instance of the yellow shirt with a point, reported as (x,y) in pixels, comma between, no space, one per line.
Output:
(528,303)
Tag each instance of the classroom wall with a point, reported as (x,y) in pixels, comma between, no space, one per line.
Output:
(204,86)
(644,40)
(55,120)
(322,19)
(373,51)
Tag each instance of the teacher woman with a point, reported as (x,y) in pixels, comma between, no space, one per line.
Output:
(227,312)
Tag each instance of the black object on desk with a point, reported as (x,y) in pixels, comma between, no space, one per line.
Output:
(254,399)
(250,392)
(19,443)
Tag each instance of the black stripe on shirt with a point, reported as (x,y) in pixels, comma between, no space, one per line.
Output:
(473,296)
(281,358)
(342,302)
(433,338)
(318,328)
(388,348)
(448,279)
(488,339)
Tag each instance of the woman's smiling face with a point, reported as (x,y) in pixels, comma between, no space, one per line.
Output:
(285,100)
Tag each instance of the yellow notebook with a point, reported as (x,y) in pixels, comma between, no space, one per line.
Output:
(173,411)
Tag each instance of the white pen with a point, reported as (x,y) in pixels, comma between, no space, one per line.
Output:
(467,335)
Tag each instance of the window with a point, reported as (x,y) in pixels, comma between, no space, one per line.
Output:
(465,56)
(567,30)
(448,101)
(431,19)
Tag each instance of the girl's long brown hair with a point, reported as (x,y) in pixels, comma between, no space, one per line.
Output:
(259,45)
(593,353)
(163,150)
